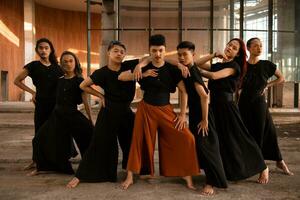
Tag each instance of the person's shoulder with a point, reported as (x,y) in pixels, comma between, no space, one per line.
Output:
(101,70)
(56,65)
(170,65)
(129,64)
(233,62)
(132,61)
(266,62)
(79,78)
(194,69)
(32,66)
(99,73)
(33,63)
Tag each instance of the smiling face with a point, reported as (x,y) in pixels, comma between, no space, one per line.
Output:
(44,50)
(116,54)
(232,48)
(157,53)
(68,63)
(255,48)
(185,56)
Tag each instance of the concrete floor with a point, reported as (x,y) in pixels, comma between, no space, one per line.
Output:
(16,131)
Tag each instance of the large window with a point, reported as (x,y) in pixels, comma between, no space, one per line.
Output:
(210,24)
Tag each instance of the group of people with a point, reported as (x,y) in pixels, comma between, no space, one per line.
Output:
(230,132)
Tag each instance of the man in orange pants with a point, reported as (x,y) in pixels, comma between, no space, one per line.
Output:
(177,155)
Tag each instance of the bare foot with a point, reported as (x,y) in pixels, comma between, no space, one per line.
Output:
(30,166)
(264,176)
(207,190)
(281,165)
(189,182)
(128,181)
(33,173)
(73,183)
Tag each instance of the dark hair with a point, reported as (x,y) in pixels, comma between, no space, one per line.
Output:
(115,42)
(186,45)
(157,40)
(78,69)
(250,41)
(52,56)
(241,59)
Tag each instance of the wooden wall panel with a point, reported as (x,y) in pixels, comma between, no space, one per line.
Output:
(11,54)
(67,30)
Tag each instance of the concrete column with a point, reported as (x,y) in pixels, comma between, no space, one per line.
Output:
(297,49)
(109,20)
(29,39)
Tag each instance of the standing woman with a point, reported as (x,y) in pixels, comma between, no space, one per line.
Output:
(52,140)
(240,154)
(253,106)
(44,73)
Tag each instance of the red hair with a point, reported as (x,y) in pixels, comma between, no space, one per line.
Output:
(241,59)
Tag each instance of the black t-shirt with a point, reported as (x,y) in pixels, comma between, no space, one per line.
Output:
(69,92)
(45,79)
(115,90)
(195,77)
(228,84)
(256,78)
(158,89)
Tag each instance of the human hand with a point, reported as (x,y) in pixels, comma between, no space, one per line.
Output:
(203,128)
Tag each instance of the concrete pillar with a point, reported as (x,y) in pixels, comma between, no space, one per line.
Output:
(109,20)
(297,49)
(29,40)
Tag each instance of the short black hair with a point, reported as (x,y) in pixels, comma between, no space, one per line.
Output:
(250,41)
(115,42)
(186,45)
(157,40)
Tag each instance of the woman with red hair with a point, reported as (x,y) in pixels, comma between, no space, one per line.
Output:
(240,154)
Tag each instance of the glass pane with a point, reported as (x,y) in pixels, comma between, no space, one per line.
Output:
(200,39)
(285,57)
(134,14)
(227,14)
(164,14)
(135,41)
(284,15)
(196,14)
(256,15)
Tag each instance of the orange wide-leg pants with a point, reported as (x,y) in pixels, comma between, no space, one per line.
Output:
(177,152)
